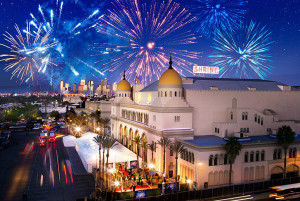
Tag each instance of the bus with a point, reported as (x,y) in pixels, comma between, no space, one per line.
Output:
(286,192)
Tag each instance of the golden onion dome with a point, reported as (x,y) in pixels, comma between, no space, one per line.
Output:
(124,84)
(170,76)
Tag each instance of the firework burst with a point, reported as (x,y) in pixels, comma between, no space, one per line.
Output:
(142,36)
(244,53)
(217,14)
(27,55)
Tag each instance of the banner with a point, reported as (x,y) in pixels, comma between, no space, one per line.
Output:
(206,69)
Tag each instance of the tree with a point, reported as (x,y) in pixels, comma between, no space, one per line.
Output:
(70,115)
(178,148)
(152,148)
(81,119)
(144,146)
(55,114)
(232,148)
(285,137)
(165,143)
(96,117)
(99,140)
(137,140)
(108,143)
(104,122)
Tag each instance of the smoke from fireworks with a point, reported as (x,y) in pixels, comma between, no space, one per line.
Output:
(28,56)
(142,36)
(244,53)
(217,14)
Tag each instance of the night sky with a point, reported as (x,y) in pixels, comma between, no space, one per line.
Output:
(280,17)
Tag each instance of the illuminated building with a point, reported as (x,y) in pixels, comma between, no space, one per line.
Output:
(75,87)
(201,112)
(61,85)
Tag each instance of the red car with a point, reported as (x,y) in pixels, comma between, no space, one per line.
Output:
(43,139)
(52,137)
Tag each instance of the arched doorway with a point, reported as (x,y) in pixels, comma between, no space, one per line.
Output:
(144,147)
(131,140)
(134,148)
(277,172)
(292,171)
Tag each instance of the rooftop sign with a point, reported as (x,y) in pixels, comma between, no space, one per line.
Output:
(206,69)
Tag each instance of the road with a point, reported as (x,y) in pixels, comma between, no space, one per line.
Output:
(43,173)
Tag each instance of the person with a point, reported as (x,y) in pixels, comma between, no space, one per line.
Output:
(24,196)
(133,188)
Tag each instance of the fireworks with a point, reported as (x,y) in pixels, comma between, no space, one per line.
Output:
(142,36)
(27,55)
(244,53)
(217,14)
(54,49)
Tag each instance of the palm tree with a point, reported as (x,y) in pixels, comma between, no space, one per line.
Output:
(137,140)
(233,148)
(109,143)
(285,137)
(144,146)
(104,122)
(152,148)
(95,117)
(165,143)
(178,148)
(99,140)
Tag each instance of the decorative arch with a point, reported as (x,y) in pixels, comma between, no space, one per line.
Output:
(125,134)
(292,170)
(276,172)
(144,149)
(121,134)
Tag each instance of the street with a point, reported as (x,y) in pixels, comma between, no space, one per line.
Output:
(43,173)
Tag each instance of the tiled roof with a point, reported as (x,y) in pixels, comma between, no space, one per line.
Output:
(226,84)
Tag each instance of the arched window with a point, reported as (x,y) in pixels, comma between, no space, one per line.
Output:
(251,175)
(279,154)
(166,94)
(251,156)
(119,95)
(255,117)
(175,93)
(258,120)
(210,161)
(181,155)
(178,93)
(295,153)
(262,155)
(161,94)
(257,156)
(290,153)
(246,115)
(190,157)
(193,158)
(170,93)
(262,121)
(246,157)
(125,95)
(243,116)
(186,155)
(225,159)
(171,150)
(216,160)
(231,115)
(275,154)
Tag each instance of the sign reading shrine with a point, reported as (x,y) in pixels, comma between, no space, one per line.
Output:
(206,69)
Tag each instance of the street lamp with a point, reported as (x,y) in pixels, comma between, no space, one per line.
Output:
(188,181)
(97,129)
(151,166)
(77,129)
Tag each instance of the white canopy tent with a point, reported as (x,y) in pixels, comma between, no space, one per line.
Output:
(88,150)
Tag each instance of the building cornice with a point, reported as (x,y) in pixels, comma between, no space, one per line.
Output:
(157,109)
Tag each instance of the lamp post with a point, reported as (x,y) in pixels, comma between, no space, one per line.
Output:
(97,129)
(77,129)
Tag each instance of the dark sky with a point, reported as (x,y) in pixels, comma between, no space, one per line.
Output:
(281,17)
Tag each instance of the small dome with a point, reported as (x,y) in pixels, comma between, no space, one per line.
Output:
(124,84)
(170,76)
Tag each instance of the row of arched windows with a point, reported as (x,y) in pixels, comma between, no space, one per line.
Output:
(277,154)
(188,156)
(245,116)
(162,94)
(135,116)
(257,173)
(293,152)
(254,156)
(218,160)
(258,119)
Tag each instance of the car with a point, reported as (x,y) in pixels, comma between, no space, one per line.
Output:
(52,137)
(43,139)
(37,126)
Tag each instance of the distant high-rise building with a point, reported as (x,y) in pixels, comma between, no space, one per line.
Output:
(67,86)
(74,87)
(82,82)
(61,85)
(91,87)
(114,86)
(80,89)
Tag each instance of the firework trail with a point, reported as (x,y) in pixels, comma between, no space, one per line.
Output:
(141,38)
(215,15)
(244,53)
(26,57)
(47,43)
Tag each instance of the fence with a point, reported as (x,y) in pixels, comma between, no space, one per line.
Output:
(221,191)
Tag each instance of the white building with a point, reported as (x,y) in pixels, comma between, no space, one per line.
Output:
(201,112)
